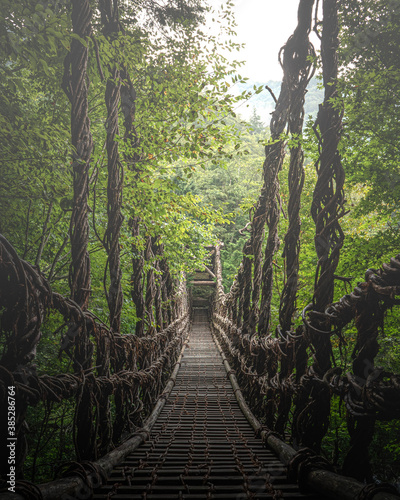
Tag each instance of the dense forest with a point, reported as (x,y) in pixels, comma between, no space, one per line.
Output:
(125,157)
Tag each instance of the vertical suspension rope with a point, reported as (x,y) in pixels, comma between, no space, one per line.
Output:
(128,107)
(158,250)
(75,87)
(300,71)
(296,75)
(313,402)
(247,286)
(110,19)
(291,249)
(328,199)
(369,321)
(220,295)
(150,285)
(166,292)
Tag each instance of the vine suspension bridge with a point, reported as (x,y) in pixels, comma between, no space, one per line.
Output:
(201,440)
(203,401)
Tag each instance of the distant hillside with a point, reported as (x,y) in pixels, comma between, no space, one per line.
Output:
(264,104)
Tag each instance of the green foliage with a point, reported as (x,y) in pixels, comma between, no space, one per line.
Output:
(49,439)
(370,80)
(232,189)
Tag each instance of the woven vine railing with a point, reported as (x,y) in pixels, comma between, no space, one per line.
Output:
(287,375)
(368,392)
(111,398)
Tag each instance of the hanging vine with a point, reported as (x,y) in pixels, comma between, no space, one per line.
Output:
(75,86)
(110,19)
(326,209)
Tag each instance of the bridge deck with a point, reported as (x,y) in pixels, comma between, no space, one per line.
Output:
(201,446)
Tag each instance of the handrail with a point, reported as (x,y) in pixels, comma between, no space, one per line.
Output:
(321,480)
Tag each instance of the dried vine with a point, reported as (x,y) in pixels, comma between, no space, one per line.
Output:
(110,19)
(298,57)
(150,284)
(297,71)
(75,86)
(128,107)
(326,210)
(158,250)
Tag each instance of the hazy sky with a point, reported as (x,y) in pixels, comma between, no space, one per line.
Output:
(264,25)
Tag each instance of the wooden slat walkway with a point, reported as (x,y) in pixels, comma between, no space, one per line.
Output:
(201,446)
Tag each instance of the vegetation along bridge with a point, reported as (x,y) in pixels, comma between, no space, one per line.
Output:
(183,389)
